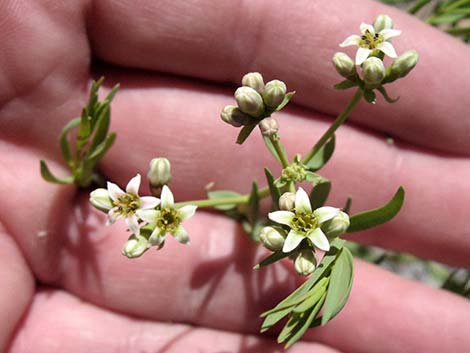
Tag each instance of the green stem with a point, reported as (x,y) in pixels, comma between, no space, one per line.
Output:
(336,124)
(276,141)
(458,31)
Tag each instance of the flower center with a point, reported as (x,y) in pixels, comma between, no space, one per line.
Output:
(370,40)
(169,220)
(127,204)
(294,172)
(304,222)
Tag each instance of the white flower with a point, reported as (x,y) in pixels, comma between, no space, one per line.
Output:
(167,219)
(126,204)
(304,223)
(370,41)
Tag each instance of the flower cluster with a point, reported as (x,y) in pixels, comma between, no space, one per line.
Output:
(373,44)
(148,218)
(256,101)
(303,230)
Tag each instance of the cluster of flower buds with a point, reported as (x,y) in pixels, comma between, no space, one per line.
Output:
(256,101)
(373,44)
(148,218)
(301,230)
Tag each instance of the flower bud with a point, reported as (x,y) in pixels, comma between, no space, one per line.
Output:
(373,71)
(135,246)
(383,22)
(274,93)
(100,199)
(234,116)
(159,172)
(249,101)
(402,65)
(336,226)
(287,201)
(272,238)
(254,80)
(269,126)
(344,65)
(305,262)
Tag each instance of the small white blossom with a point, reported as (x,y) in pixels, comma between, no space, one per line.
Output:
(370,41)
(304,223)
(123,204)
(167,219)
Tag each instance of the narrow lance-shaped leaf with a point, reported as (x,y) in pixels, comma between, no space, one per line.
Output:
(323,155)
(101,128)
(286,100)
(274,257)
(48,176)
(223,194)
(270,147)
(245,132)
(345,84)
(64,142)
(372,218)
(319,193)
(273,189)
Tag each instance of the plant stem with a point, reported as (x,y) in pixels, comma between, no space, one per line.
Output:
(276,141)
(336,124)
(223,201)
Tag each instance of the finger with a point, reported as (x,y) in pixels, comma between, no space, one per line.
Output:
(432,223)
(294,44)
(57,319)
(17,286)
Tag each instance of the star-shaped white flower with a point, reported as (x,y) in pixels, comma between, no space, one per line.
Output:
(304,223)
(125,204)
(167,219)
(370,41)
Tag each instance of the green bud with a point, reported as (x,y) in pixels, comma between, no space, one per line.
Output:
(234,116)
(402,65)
(254,80)
(100,199)
(249,101)
(159,172)
(336,226)
(272,238)
(274,93)
(269,126)
(305,262)
(135,246)
(287,201)
(344,65)
(383,22)
(373,71)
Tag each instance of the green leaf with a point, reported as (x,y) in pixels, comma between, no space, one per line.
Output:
(112,93)
(274,257)
(372,218)
(347,206)
(253,205)
(273,189)
(340,285)
(270,147)
(322,156)
(448,17)
(245,132)
(313,297)
(382,90)
(369,96)
(319,193)
(64,142)
(48,176)
(101,128)
(345,84)
(102,148)
(286,100)
(223,194)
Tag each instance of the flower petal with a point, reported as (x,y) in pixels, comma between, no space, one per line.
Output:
(351,40)
(362,54)
(282,217)
(166,198)
(112,216)
(292,241)
(319,239)
(187,211)
(149,216)
(388,49)
(302,202)
(114,191)
(325,213)
(181,235)
(133,185)
(367,27)
(389,33)
(148,202)
(157,237)
(133,224)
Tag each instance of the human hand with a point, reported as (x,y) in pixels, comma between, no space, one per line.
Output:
(205,297)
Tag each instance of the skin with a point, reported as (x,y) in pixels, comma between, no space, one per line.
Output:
(65,285)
